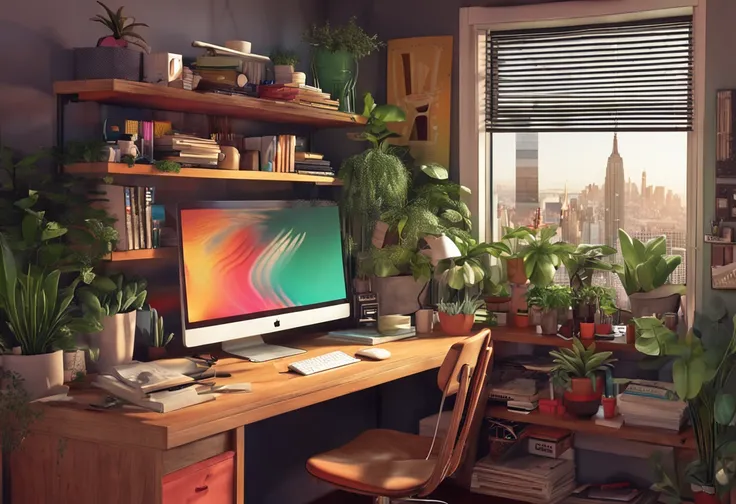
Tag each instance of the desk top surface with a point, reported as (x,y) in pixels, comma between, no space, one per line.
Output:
(275,391)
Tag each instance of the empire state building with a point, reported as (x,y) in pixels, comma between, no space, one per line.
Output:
(615,195)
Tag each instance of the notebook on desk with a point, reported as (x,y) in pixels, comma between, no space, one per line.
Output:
(370,336)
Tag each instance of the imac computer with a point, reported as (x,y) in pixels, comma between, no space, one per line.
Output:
(249,268)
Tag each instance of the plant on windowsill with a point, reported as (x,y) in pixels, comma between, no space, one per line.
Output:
(542,257)
(703,362)
(645,273)
(587,300)
(515,240)
(552,300)
(578,371)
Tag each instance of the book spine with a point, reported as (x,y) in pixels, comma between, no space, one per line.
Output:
(149,221)
(128,219)
(292,152)
(134,219)
(645,390)
(141,205)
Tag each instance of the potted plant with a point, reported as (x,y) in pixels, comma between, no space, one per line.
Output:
(42,322)
(607,309)
(457,317)
(534,304)
(578,371)
(542,257)
(283,65)
(515,239)
(520,319)
(113,58)
(115,305)
(588,301)
(582,263)
(703,362)
(552,299)
(335,57)
(644,275)
(160,339)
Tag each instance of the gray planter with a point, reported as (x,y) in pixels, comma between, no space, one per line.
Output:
(549,322)
(665,299)
(398,295)
(108,63)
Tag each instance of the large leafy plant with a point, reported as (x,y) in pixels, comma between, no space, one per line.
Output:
(646,265)
(554,297)
(579,362)
(542,256)
(350,37)
(473,266)
(703,362)
(582,263)
(38,313)
(118,295)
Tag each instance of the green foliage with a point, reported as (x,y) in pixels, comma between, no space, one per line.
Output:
(284,57)
(646,265)
(128,160)
(167,166)
(81,152)
(549,298)
(578,362)
(118,24)
(584,261)
(351,38)
(541,256)
(467,306)
(160,339)
(516,239)
(38,313)
(375,130)
(473,267)
(110,296)
(16,412)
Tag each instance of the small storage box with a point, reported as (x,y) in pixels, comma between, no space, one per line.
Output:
(211,481)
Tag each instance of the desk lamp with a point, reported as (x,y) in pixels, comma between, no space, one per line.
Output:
(440,248)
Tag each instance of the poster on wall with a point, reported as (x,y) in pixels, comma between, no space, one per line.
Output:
(419,81)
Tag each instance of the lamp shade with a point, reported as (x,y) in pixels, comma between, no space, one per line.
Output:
(441,247)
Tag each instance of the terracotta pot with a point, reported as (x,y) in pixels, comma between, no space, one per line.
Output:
(549,322)
(115,342)
(40,373)
(609,407)
(581,406)
(583,387)
(631,334)
(603,329)
(520,320)
(587,330)
(156,353)
(456,325)
(516,272)
(705,497)
(497,299)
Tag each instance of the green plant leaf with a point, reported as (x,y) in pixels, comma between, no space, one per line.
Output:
(389,113)
(725,407)
(435,171)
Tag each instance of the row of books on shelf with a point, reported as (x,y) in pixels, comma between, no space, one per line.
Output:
(281,154)
(133,211)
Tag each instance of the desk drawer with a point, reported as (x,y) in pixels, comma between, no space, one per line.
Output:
(211,481)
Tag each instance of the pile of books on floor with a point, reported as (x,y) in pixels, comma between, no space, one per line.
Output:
(131,207)
(188,150)
(611,494)
(299,93)
(310,163)
(526,477)
(519,395)
(276,153)
(151,386)
(647,403)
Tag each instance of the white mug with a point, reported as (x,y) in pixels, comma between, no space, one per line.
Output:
(425,321)
(128,148)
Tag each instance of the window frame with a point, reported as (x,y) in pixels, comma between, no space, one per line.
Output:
(474,143)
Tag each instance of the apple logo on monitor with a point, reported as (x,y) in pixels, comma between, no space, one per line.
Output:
(277,323)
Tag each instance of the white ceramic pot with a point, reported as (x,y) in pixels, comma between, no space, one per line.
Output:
(40,373)
(74,364)
(115,341)
(283,74)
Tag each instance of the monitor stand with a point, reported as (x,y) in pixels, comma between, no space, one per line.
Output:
(255,349)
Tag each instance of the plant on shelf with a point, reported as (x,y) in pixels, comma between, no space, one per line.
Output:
(515,240)
(282,57)
(645,273)
(122,28)
(588,300)
(703,362)
(114,303)
(552,299)
(337,51)
(167,166)
(582,263)
(457,317)
(577,371)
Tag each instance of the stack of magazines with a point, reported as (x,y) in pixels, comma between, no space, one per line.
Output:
(647,403)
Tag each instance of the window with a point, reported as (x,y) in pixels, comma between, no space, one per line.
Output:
(587,118)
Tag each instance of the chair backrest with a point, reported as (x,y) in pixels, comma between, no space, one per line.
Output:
(463,373)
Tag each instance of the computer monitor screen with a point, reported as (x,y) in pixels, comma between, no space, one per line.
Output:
(250,268)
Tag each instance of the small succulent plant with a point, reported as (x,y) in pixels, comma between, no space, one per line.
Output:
(122,29)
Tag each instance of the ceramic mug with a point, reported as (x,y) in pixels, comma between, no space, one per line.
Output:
(229,159)
(425,321)
(128,148)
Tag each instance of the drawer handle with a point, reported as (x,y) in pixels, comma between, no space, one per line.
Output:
(203,488)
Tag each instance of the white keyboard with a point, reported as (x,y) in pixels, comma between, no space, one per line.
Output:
(324,362)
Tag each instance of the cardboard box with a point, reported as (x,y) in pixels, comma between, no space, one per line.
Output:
(547,441)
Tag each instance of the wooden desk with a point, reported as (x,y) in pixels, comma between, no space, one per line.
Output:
(78,456)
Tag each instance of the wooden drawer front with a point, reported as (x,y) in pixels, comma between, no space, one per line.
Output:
(211,481)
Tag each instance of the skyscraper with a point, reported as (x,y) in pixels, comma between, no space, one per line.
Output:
(643,185)
(615,195)
(527,177)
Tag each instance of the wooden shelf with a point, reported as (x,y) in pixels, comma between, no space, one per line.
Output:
(144,254)
(660,437)
(104,169)
(144,95)
(530,337)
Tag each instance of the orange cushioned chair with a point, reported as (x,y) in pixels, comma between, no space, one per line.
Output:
(398,467)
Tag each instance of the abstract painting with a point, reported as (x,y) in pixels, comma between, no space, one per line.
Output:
(419,81)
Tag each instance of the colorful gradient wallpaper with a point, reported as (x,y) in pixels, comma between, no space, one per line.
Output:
(245,261)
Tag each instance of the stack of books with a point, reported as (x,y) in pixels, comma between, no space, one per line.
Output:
(519,394)
(152,387)
(299,93)
(652,404)
(370,335)
(131,209)
(588,494)
(276,152)
(312,164)
(221,71)
(187,80)
(188,150)
(526,478)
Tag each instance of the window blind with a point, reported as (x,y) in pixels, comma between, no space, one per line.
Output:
(635,76)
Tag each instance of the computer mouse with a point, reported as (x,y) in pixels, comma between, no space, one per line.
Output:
(374,353)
